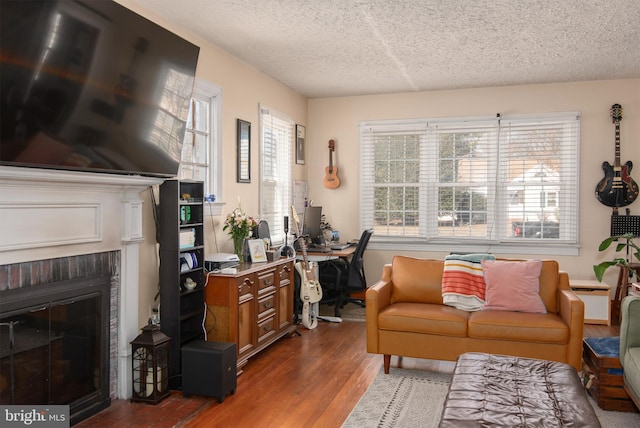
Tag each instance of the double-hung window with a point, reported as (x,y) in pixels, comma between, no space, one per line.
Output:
(201,148)
(276,142)
(478,182)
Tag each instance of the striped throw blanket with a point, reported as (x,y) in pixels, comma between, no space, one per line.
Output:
(463,283)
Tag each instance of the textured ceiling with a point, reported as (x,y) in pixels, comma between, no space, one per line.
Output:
(324,48)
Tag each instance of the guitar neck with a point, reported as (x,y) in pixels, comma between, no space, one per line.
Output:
(617,154)
(331,149)
(303,244)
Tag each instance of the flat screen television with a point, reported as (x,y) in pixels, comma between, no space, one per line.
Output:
(90,85)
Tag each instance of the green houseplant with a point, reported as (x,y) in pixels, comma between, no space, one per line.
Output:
(624,242)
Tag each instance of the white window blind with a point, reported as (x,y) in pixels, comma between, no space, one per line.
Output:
(487,180)
(276,142)
(539,183)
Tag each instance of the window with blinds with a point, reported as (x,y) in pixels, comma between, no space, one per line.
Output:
(508,179)
(276,142)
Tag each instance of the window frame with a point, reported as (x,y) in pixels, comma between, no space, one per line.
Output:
(210,93)
(428,181)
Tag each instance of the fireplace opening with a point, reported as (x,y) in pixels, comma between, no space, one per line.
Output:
(54,345)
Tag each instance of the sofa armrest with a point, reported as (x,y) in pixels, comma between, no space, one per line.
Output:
(629,325)
(571,310)
(378,297)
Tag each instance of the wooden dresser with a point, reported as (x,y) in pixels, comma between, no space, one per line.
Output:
(251,308)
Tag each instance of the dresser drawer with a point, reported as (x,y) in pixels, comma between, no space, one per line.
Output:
(266,281)
(266,305)
(245,284)
(284,272)
(266,329)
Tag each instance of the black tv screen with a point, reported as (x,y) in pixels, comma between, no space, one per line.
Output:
(90,85)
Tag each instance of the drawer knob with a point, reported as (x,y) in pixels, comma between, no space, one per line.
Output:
(267,327)
(267,305)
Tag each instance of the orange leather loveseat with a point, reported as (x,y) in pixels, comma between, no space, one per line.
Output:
(406,317)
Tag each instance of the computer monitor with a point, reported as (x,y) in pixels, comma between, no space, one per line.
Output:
(312,219)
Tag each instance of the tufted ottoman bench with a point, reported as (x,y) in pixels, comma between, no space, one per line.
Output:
(500,390)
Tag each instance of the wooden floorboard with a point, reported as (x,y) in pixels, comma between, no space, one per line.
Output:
(314,379)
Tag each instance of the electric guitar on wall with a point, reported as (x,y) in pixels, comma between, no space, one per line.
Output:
(617,188)
(331,180)
(310,288)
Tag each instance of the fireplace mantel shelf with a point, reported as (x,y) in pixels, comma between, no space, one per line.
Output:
(56,177)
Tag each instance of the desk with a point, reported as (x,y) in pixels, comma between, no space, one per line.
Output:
(333,294)
(343,254)
(318,257)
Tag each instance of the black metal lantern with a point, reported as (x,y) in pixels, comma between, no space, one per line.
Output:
(150,363)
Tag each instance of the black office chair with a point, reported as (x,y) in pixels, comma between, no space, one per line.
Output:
(340,278)
(262,231)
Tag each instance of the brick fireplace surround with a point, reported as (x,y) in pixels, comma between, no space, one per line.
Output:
(53,219)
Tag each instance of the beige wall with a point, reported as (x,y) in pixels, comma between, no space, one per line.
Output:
(243,89)
(338,119)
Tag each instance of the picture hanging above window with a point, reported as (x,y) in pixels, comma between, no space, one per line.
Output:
(244,152)
(300,139)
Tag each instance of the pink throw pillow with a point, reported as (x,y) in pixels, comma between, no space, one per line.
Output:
(513,286)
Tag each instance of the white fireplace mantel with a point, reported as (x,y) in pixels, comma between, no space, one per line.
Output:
(49,213)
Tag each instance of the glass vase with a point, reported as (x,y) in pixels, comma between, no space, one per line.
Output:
(238,247)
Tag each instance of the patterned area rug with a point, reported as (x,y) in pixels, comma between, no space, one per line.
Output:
(403,398)
(414,398)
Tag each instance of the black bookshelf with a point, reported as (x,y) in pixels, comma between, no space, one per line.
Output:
(181,234)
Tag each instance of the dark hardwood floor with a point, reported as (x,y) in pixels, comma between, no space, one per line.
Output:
(314,379)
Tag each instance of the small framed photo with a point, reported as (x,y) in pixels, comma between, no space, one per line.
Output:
(257,251)
(301,135)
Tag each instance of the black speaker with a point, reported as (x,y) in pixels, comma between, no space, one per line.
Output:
(209,368)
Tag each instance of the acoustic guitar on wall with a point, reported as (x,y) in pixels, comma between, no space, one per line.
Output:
(331,180)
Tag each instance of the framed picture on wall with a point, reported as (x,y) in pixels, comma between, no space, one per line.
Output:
(244,151)
(300,141)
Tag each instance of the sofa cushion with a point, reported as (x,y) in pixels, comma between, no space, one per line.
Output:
(518,326)
(463,285)
(424,318)
(549,284)
(416,280)
(513,285)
